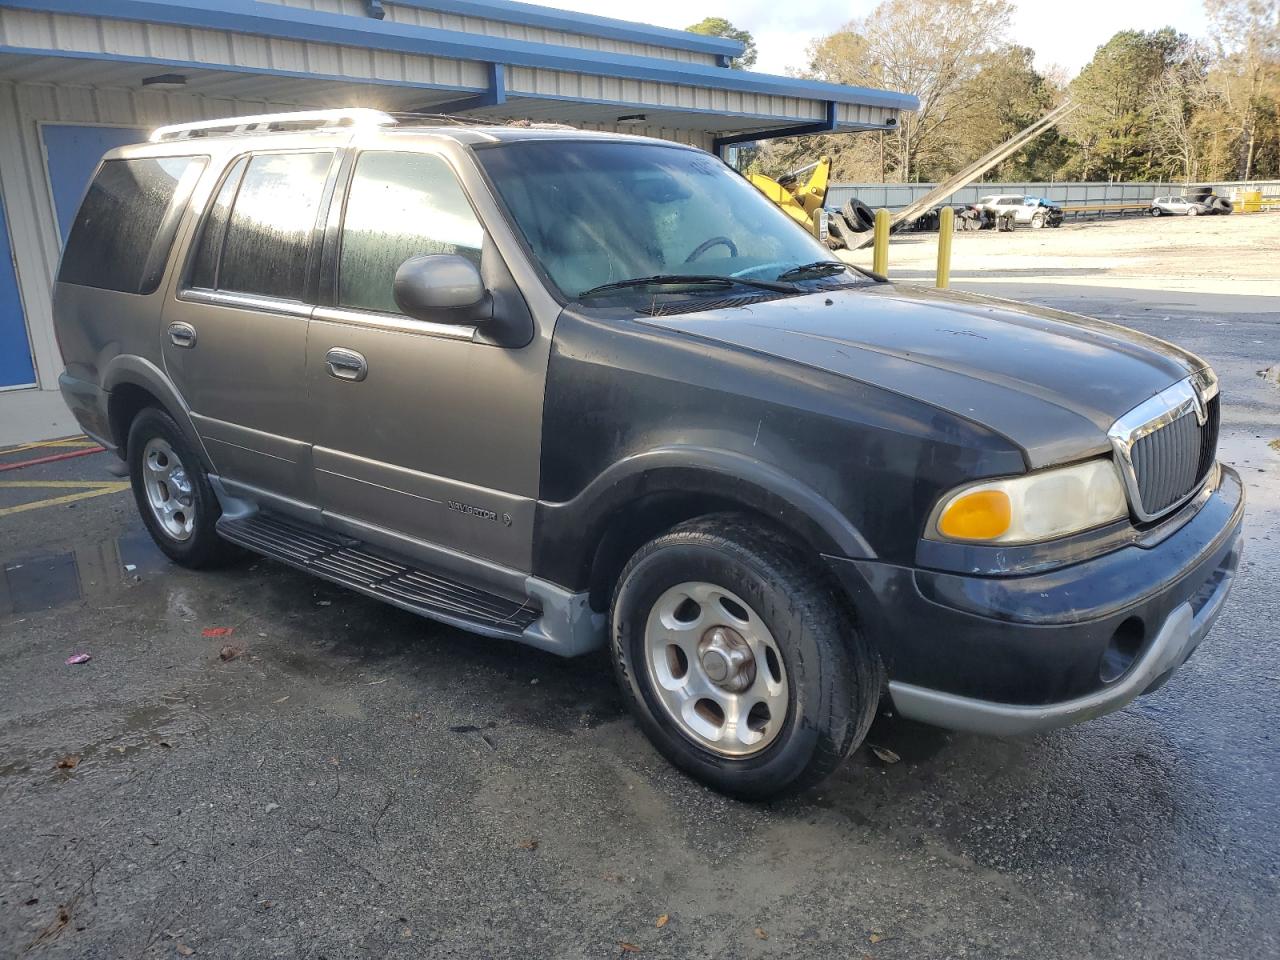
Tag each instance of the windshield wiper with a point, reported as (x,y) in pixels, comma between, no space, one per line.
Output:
(697,280)
(811,271)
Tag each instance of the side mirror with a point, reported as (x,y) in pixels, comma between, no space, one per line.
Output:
(442,288)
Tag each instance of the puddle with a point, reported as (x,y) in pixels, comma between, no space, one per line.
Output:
(43,581)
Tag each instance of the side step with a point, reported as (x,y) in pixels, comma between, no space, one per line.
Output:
(360,567)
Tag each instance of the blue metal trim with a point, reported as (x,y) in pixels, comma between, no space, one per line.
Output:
(829,125)
(632,106)
(588,24)
(495,96)
(228,68)
(244,16)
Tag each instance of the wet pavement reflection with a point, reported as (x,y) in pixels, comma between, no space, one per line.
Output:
(31,581)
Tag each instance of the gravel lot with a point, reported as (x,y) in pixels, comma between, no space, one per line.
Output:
(356,782)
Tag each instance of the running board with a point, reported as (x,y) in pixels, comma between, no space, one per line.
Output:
(357,566)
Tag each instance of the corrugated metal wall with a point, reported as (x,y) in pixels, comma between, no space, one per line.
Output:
(399,13)
(216,48)
(580,86)
(894,196)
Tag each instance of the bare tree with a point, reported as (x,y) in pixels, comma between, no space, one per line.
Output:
(1247,35)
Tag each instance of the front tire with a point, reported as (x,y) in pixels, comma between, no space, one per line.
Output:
(173,494)
(739,661)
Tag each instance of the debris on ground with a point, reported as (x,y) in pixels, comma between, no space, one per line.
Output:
(184,950)
(628,947)
(229,652)
(75,658)
(528,843)
(213,633)
(271,808)
(662,921)
(885,754)
(760,934)
(69,762)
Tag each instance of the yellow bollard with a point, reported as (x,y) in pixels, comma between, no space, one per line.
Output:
(880,257)
(946,227)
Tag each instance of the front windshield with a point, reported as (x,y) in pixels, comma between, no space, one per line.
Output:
(596,213)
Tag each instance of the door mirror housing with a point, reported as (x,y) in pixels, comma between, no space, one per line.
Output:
(442,288)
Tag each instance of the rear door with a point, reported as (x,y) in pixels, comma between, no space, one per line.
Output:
(235,337)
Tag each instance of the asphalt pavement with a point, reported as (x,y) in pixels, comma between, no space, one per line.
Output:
(257,764)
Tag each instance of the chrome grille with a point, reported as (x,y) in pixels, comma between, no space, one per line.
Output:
(1166,447)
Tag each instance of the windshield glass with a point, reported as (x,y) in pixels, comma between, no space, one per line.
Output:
(603,212)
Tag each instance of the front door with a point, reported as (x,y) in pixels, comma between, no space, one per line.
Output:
(423,430)
(235,337)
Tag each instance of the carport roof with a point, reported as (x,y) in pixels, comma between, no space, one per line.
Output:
(605,80)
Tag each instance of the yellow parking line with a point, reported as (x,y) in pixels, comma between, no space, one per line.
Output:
(66,498)
(60,484)
(80,441)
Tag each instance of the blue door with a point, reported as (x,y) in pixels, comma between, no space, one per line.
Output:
(72,154)
(16,368)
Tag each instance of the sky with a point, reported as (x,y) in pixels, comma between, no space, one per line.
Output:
(1064,35)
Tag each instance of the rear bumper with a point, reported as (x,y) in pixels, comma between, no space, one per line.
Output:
(1006,655)
(88,403)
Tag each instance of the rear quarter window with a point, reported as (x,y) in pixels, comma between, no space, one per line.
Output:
(124,230)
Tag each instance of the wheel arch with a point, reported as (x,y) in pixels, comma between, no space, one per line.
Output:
(585,542)
(133,383)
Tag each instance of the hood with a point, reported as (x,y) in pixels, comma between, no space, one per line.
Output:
(1051,382)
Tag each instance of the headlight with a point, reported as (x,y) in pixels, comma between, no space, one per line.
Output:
(1038,506)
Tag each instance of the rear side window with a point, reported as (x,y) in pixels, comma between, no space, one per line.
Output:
(204,271)
(267,237)
(125,226)
(400,205)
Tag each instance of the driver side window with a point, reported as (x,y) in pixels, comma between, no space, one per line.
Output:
(400,205)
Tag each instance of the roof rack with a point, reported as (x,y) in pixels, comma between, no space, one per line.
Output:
(275,123)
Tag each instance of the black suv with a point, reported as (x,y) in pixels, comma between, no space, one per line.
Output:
(575,390)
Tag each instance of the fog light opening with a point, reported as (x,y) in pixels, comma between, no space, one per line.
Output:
(1122,650)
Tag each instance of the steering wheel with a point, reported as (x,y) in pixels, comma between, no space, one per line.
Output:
(706,245)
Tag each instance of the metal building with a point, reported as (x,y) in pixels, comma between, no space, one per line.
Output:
(78,77)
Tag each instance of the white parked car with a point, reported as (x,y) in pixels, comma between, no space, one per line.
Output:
(1178,207)
(1033,210)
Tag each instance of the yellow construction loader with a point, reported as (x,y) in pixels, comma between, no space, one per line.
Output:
(802,201)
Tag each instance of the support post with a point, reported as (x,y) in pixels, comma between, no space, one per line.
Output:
(880,260)
(946,227)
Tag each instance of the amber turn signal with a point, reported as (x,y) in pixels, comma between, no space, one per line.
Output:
(981,515)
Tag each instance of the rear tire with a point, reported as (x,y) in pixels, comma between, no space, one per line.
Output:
(810,680)
(171,488)
(1156,211)
(1193,211)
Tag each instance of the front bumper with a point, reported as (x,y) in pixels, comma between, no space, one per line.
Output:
(1007,655)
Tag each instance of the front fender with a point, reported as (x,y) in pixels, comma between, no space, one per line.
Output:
(569,532)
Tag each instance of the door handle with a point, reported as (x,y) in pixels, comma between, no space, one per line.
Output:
(182,335)
(346,364)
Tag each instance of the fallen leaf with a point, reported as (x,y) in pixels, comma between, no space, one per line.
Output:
(69,762)
(761,935)
(212,633)
(528,843)
(875,938)
(629,948)
(184,950)
(885,754)
(75,658)
(230,652)
(663,921)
